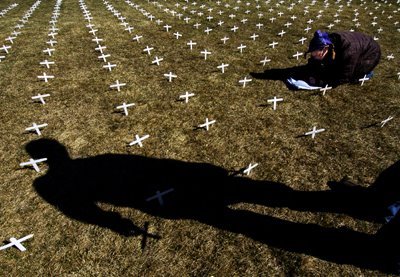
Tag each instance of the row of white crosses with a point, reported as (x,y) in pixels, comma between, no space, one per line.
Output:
(52,35)
(5,48)
(117,85)
(9,8)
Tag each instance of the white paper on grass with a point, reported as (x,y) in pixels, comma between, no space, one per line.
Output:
(300,84)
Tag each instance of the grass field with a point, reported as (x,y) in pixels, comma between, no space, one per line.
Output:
(82,209)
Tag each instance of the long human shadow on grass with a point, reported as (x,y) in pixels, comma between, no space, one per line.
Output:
(204,192)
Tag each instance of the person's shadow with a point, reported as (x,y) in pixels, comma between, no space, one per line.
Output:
(183,190)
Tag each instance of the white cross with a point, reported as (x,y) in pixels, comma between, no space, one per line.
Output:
(265,60)
(197,25)
(207,124)
(93,31)
(129,29)
(244,81)
(362,80)
(205,53)
(330,26)
(274,100)
(273,44)
(148,49)
(5,48)
(46,63)
(259,25)
(224,39)
(45,77)
(100,48)
(307,29)
(139,140)
(170,75)
(104,56)
(208,30)
(137,38)
(10,39)
(220,23)
(41,97)
(177,35)
(17,243)
(249,168)
(314,132)
(282,33)
(109,66)
(118,85)
(33,163)
(297,55)
(390,57)
(234,29)
(51,42)
(125,107)
(287,24)
(254,36)
(49,51)
(186,96)
(97,40)
(222,67)
(383,122)
(167,27)
(325,89)
(159,195)
(191,43)
(302,40)
(272,19)
(241,47)
(157,60)
(36,128)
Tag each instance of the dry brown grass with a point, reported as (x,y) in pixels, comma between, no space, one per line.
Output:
(81,115)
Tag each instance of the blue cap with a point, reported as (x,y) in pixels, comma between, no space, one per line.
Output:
(319,41)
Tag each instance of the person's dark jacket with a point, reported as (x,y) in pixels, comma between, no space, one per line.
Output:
(352,56)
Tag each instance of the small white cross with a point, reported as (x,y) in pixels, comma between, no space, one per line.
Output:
(97,40)
(157,60)
(5,48)
(148,49)
(362,80)
(40,97)
(314,132)
(159,195)
(186,96)
(325,89)
(297,55)
(234,29)
(197,25)
(244,81)
(177,35)
(254,36)
(36,128)
(208,30)
(129,29)
(265,60)
(207,124)
(307,29)
(45,77)
(104,56)
(191,43)
(46,63)
(224,39)
(118,85)
(390,57)
(259,25)
(170,75)
(302,40)
(139,140)
(109,66)
(49,51)
(137,38)
(100,48)
(249,168)
(288,24)
(383,122)
(17,243)
(222,67)
(241,47)
(273,44)
(125,107)
(274,101)
(167,27)
(10,39)
(33,163)
(282,33)
(205,53)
